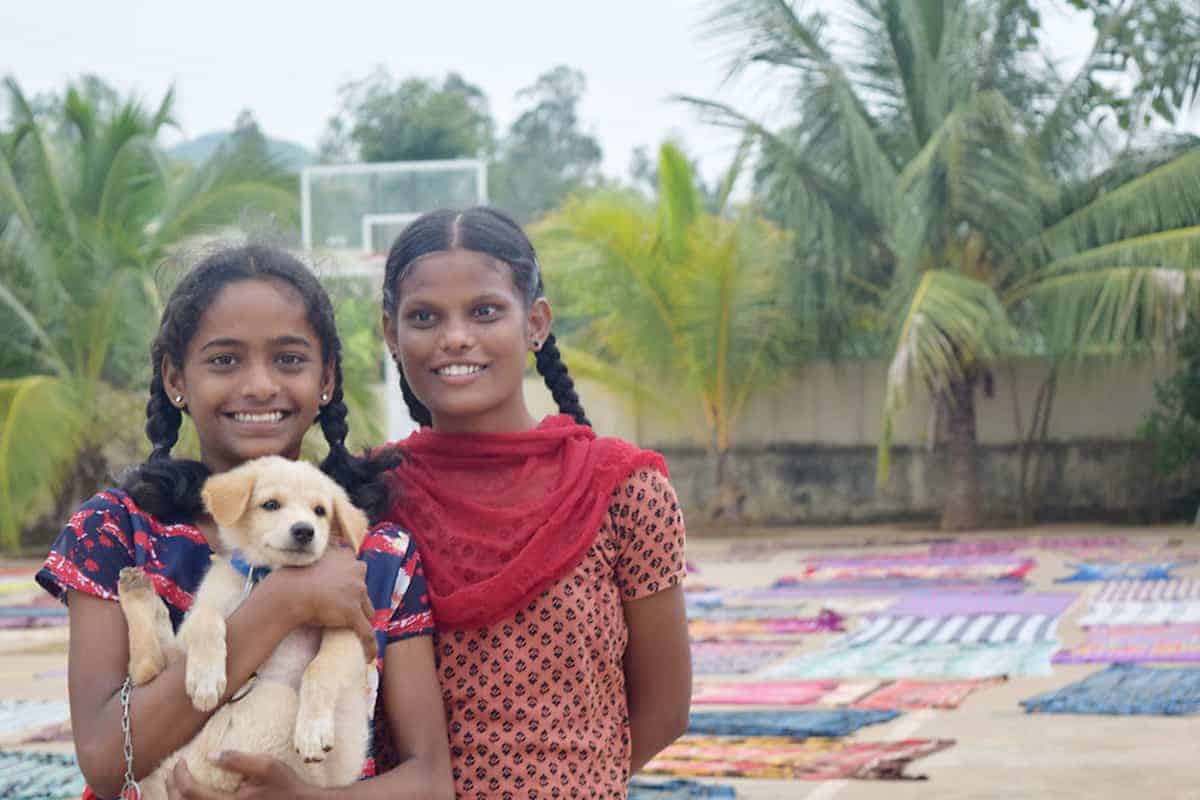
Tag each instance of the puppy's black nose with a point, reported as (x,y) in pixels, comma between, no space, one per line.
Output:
(302,532)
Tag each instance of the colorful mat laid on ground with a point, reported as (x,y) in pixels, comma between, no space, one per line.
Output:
(678,789)
(801,724)
(1125,689)
(945,604)
(1172,602)
(909,695)
(883,586)
(964,628)
(735,658)
(773,603)
(1122,571)
(763,549)
(781,693)
(771,628)
(32,616)
(39,776)
(23,721)
(919,661)
(810,759)
(968,568)
(1120,643)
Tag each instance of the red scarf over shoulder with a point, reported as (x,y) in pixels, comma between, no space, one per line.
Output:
(500,517)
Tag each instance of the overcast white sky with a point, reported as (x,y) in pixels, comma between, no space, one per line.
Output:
(285,61)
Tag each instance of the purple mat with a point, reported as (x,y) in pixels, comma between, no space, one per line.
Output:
(884,586)
(946,604)
(919,559)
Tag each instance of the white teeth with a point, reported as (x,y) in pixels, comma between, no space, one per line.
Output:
(459,369)
(273,416)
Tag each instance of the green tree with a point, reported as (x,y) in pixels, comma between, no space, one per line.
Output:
(416,119)
(674,298)
(545,156)
(89,210)
(957,200)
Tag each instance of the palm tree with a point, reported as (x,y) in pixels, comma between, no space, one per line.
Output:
(673,298)
(945,187)
(89,209)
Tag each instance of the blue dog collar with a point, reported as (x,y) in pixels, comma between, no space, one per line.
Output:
(253,574)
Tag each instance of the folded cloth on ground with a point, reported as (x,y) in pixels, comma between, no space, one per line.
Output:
(1119,643)
(736,658)
(894,586)
(24,721)
(910,695)
(1121,570)
(679,789)
(985,568)
(781,693)
(811,759)
(828,723)
(765,628)
(1125,689)
(946,604)
(966,628)
(39,776)
(919,661)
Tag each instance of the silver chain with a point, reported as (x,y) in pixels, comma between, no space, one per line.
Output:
(130,790)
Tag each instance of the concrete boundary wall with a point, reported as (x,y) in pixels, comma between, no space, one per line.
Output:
(805,450)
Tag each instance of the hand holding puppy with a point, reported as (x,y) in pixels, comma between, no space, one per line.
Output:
(331,593)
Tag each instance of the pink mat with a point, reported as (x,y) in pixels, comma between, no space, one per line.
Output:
(763,693)
(1120,643)
(912,695)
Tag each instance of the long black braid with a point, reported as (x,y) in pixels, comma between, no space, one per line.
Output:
(482,230)
(167,486)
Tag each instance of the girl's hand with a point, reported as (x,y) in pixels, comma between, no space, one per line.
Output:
(265,778)
(331,593)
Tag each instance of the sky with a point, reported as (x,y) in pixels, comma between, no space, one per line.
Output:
(285,61)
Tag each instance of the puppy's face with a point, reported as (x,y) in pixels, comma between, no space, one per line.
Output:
(280,513)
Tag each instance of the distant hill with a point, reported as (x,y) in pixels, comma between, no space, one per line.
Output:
(197,150)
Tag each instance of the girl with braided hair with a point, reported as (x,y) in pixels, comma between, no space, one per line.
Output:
(247,347)
(554,558)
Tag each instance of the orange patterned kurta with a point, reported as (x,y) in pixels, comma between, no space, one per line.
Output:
(535,704)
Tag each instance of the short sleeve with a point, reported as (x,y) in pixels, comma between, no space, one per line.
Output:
(650,533)
(92,549)
(396,585)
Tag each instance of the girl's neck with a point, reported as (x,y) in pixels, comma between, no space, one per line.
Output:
(486,423)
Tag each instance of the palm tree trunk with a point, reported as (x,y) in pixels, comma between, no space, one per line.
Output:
(961,508)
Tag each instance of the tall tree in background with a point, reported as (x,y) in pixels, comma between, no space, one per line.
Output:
(962,200)
(89,210)
(545,155)
(677,305)
(416,119)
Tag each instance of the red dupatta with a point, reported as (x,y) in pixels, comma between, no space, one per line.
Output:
(499,517)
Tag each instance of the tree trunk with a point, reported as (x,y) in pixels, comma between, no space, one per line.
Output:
(729,499)
(961,509)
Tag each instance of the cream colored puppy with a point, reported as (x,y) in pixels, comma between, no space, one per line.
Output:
(308,704)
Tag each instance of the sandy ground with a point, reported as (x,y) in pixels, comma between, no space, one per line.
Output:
(1000,751)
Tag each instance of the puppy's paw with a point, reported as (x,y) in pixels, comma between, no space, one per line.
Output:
(133,581)
(314,734)
(205,682)
(144,669)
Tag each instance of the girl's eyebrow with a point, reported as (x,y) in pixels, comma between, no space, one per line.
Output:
(279,341)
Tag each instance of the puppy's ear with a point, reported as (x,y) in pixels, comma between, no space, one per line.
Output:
(349,521)
(227,495)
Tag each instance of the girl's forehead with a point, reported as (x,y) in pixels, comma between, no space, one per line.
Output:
(455,271)
(255,310)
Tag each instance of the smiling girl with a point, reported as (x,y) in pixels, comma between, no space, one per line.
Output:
(554,557)
(248,349)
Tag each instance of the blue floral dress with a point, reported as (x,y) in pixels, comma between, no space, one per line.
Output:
(110,532)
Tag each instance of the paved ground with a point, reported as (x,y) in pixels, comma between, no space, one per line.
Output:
(1001,752)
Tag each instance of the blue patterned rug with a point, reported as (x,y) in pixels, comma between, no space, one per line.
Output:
(679,789)
(826,723)
(1125,689)
(39,776)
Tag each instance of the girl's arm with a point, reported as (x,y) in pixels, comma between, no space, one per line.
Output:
(161,714)
(658,672)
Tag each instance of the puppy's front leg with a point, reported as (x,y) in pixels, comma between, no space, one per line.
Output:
(148,623)
(337,665)
(203,634)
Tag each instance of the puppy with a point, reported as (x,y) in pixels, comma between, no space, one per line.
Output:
(308,704)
